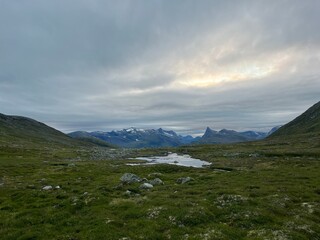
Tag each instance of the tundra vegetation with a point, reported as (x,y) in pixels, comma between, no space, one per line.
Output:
(258,190)
(55,187)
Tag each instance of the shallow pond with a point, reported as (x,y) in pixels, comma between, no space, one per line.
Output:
(174,159)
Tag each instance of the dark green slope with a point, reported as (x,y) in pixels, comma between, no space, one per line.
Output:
(84,136)
(21,132)
(307,124)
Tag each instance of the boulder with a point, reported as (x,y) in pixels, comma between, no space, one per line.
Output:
(130,178)
(128,193)
(156,181)
(146,186)
(184,180)
(47,188)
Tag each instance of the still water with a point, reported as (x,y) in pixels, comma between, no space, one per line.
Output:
(174,159)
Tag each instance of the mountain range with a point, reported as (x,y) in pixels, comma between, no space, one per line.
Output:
(140,138)
(22,132)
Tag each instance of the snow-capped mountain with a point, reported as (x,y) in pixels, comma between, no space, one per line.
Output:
(139,138)
(145,138)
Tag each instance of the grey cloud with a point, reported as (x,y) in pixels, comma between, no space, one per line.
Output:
(91,65)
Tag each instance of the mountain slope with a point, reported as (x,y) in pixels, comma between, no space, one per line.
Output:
(16,131)
(86,137)
(308,123)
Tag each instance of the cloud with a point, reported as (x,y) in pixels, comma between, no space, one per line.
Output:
(183,65)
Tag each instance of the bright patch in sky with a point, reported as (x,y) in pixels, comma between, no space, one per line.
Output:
(180,65)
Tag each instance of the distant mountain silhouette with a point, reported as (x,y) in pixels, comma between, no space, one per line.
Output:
(230,136)
(138,138)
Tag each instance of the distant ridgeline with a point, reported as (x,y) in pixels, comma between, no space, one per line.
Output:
(140,138)
(23,132)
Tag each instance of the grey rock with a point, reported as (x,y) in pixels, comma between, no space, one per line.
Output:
(184,180)
(47,188)
(130,178)
(146,186)
(128,193)
(156,181)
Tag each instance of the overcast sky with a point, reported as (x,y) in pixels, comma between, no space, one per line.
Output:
(179,64)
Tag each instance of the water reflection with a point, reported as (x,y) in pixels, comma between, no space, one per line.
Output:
(174,159)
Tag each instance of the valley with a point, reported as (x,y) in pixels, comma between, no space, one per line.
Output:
(265,189)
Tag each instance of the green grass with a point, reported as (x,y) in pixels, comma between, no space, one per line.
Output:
(270,191)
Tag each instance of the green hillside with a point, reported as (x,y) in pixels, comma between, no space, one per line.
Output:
(305,125)
(22,132)
(86,137)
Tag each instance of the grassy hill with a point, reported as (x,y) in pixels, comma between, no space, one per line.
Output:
(307,125)
(22,132)
(86,137)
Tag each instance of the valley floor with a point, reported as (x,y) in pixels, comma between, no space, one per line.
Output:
(251,191)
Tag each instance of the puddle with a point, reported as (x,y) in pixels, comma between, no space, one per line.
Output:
(173,159)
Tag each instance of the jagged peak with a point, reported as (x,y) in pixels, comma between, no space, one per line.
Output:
(209,130)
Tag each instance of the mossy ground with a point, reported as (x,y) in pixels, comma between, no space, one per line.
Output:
(269,191)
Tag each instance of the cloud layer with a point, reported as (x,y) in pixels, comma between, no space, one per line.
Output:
(181,65)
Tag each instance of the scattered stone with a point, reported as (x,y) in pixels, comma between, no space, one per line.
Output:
(210,234)
(308,206)
(156,181)
(108,220)
(146,186)
(57,187)
(144,180)
(71,165)
(130,178)
(254,155)
(156,174)
(184,180)
(227,200)
(154,212)
(47,188)
(128,193)
(85,193)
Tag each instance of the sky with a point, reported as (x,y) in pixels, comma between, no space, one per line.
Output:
(181,65)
